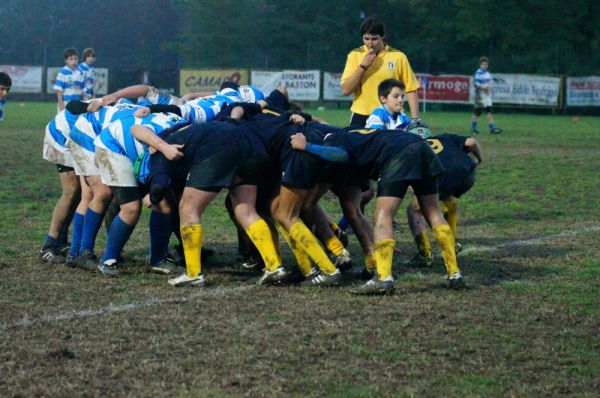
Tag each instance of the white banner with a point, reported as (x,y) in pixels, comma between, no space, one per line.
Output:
(583,91)
(332,89)
(301,85)
(25,79)
(525,89)
(100,86)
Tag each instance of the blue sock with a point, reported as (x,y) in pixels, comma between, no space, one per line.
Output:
(343,223)
(491,126)
(473,126)
(51,242)
(77,233)
(160,232)
(91,225)
(118,235)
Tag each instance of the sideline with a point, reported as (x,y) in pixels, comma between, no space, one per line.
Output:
(217,292)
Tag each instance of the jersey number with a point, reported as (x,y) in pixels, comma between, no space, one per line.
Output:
(436,145)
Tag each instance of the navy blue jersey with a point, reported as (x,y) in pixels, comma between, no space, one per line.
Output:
(450,149)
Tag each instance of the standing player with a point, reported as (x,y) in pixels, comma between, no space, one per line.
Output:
(5,84)
(483,97)
(369,65)
(89,74)
(69,81)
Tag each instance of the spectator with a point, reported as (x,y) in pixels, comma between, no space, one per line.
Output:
(69,81)
(89,74)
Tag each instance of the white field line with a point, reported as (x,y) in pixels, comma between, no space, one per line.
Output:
(112,308)
(116,308)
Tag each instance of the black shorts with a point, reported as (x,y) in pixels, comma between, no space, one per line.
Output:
(458,188)
(125,195)
(63,169)
(299,170)
(278,101)
(257,169)
(358,120)
(477,111)
(398,189)
(215,168)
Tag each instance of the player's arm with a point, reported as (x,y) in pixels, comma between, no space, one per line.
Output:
(59,99)
(148,137)
(354,73)
(192,96)
(473,146)
(330,153)
(139,90)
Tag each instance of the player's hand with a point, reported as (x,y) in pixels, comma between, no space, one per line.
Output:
(142,112)
(263,104)
(146,201)
(94,106)
(369,58)
(108,99)
(173,151)
(297,119)
(298,141)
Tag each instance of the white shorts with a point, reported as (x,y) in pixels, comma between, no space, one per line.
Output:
(483,100)
(58,155)
(83,160)
(115,169)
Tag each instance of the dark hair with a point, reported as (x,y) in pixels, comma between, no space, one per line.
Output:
(88,52)
(385,87)
(5,80)
(484,59)
(229,84)
(372,26)
(70,51)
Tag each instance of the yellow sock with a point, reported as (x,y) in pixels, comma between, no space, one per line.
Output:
(334,245)
(307,241)
(301,257)
(370,262)
(260,234)
(423,243)
(451,214)
(384,254)
(191,236)
(444,237)
(334,227)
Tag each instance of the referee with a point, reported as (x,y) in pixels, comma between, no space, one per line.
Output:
(369,65)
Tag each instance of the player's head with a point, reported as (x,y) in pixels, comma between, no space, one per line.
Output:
(250,94)
(71,57)
(372,31)
(89,56)
(5,84)
(391,95)
(229,84)
(484,63)
(421,131)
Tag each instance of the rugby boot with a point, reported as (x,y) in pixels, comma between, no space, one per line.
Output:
(51,255)
(273,277)
(322,279)
(420,260)
(456,281)
(109,268)
(184,280)
(375,287)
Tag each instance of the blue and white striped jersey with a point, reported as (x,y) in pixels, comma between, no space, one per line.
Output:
(382,119)
(2,103)
(59,128)
(117,136)
(250,94)
(155,96)
(89,78)
(483,78)
(70,82)
(90,124)
(205,109)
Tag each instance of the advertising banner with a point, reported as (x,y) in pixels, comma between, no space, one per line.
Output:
(301,85)
(332,89)
(197,80)
(525,89)
(25,79)
(583,91)
(445,88)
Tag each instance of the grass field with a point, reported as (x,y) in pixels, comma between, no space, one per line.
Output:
(528,324)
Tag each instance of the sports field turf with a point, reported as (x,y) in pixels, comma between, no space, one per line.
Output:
(528,324)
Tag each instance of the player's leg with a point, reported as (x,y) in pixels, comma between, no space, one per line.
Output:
(476,112)
(70,187)
(490,121)
(78,220)
(418,228)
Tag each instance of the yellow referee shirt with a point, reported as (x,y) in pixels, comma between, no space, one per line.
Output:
(389,64)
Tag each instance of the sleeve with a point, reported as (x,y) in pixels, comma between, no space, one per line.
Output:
(330,153)
(375,122)
(59,83)
(350,68)
(406,74)
(157,108)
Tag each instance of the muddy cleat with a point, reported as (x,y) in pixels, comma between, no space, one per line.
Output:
(109,268)
(376,287)
(273,277)
(420,260)
(456,281)
(166,267)
(253,264)
(87,261)
(457,246)
(343,261)
(51,255)
(495,130)
(71,261)
(184,280)
(322,279)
